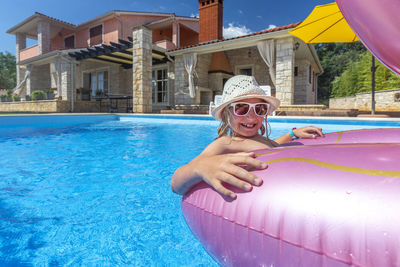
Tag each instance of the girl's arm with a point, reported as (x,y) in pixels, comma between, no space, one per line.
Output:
(304,132)
(215,168)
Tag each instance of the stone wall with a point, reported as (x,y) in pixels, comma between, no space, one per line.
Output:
(284,71)
(20,44)
(303,88)
(57,106)
(171,83)
(39,78)
(119,79)
(66,81)
(385,100)
(343,102)
(202,67)
(43,30)
(211,84)
(141,70)
(249,57)
(45,106)
(215,82)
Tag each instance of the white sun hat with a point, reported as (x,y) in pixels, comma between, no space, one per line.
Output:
(243,87)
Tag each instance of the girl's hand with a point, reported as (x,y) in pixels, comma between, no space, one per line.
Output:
(215,170)
(308,132)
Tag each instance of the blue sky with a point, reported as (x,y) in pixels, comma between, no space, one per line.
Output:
(240,17)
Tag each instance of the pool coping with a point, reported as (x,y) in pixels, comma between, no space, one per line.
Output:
(201,116)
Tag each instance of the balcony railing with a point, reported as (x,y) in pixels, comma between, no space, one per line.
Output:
(29,52)
(166,44)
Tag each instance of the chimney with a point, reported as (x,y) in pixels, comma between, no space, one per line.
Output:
(210,21)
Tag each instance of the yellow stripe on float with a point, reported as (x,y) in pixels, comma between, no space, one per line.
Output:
(339,137)
(274,151)
(340,167)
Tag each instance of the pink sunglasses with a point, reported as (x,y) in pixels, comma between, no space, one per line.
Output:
(243,108)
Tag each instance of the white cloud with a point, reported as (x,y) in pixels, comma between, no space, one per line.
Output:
(259,17)
(271,26)
(240,11)
(194,15)
(234,31)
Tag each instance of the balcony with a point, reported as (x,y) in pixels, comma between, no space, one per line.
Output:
(29,52)
(166,44)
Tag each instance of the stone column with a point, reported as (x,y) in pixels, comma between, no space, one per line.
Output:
(175,34)
(66,81)
(284,83)
(171,82)
(141,69)
(179,85)
(43,29)
(20,44)
(28,84)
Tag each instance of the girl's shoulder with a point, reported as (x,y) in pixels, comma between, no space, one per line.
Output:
(218,146)
(228,144)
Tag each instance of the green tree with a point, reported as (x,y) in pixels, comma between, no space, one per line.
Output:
(7,70)
(357,77)
(334,59)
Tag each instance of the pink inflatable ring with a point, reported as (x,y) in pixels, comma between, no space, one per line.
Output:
(319,205)
(383,135)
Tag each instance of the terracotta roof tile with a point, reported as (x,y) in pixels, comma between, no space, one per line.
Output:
(285,27)
(54,19)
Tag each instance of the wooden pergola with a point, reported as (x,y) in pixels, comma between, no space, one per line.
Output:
(119,53)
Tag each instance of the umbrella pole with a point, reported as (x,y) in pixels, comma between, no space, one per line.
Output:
(373,68)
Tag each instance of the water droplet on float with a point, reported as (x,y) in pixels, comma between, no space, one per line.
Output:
(385,233)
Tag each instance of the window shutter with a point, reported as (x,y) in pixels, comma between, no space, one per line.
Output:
(96,35)
(69,42)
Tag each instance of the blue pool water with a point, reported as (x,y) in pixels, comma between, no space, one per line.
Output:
(94,190)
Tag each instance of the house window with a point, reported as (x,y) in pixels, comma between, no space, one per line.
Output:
(309,74)
(296,71)
(246,71)
(159,86)
(96,35)
(69,42)
(97,82)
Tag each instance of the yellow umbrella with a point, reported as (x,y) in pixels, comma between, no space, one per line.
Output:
(325,24)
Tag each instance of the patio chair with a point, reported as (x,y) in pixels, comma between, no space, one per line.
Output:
(216,102)
(267,90)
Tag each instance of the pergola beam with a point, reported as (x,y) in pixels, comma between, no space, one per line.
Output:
(117,53)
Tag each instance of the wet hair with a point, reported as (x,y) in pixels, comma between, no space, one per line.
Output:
(225,128)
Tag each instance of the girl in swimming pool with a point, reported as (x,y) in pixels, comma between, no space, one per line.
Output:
(243,114)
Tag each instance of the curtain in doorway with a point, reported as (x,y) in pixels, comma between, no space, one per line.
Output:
(267,51)
(190,61)
(19,88)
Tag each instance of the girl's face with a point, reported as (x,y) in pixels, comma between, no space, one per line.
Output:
(249,124)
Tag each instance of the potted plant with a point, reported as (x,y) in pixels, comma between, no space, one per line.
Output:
(38,95)
(27,98)
(99,93)
(3,98)
(9,94)
(85,94)
(49,94)
(16,98)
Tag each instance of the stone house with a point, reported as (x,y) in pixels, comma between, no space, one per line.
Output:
(160,60)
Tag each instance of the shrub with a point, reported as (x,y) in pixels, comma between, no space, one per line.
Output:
(38,95)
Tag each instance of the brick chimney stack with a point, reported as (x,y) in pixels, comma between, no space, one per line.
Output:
(210,21)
